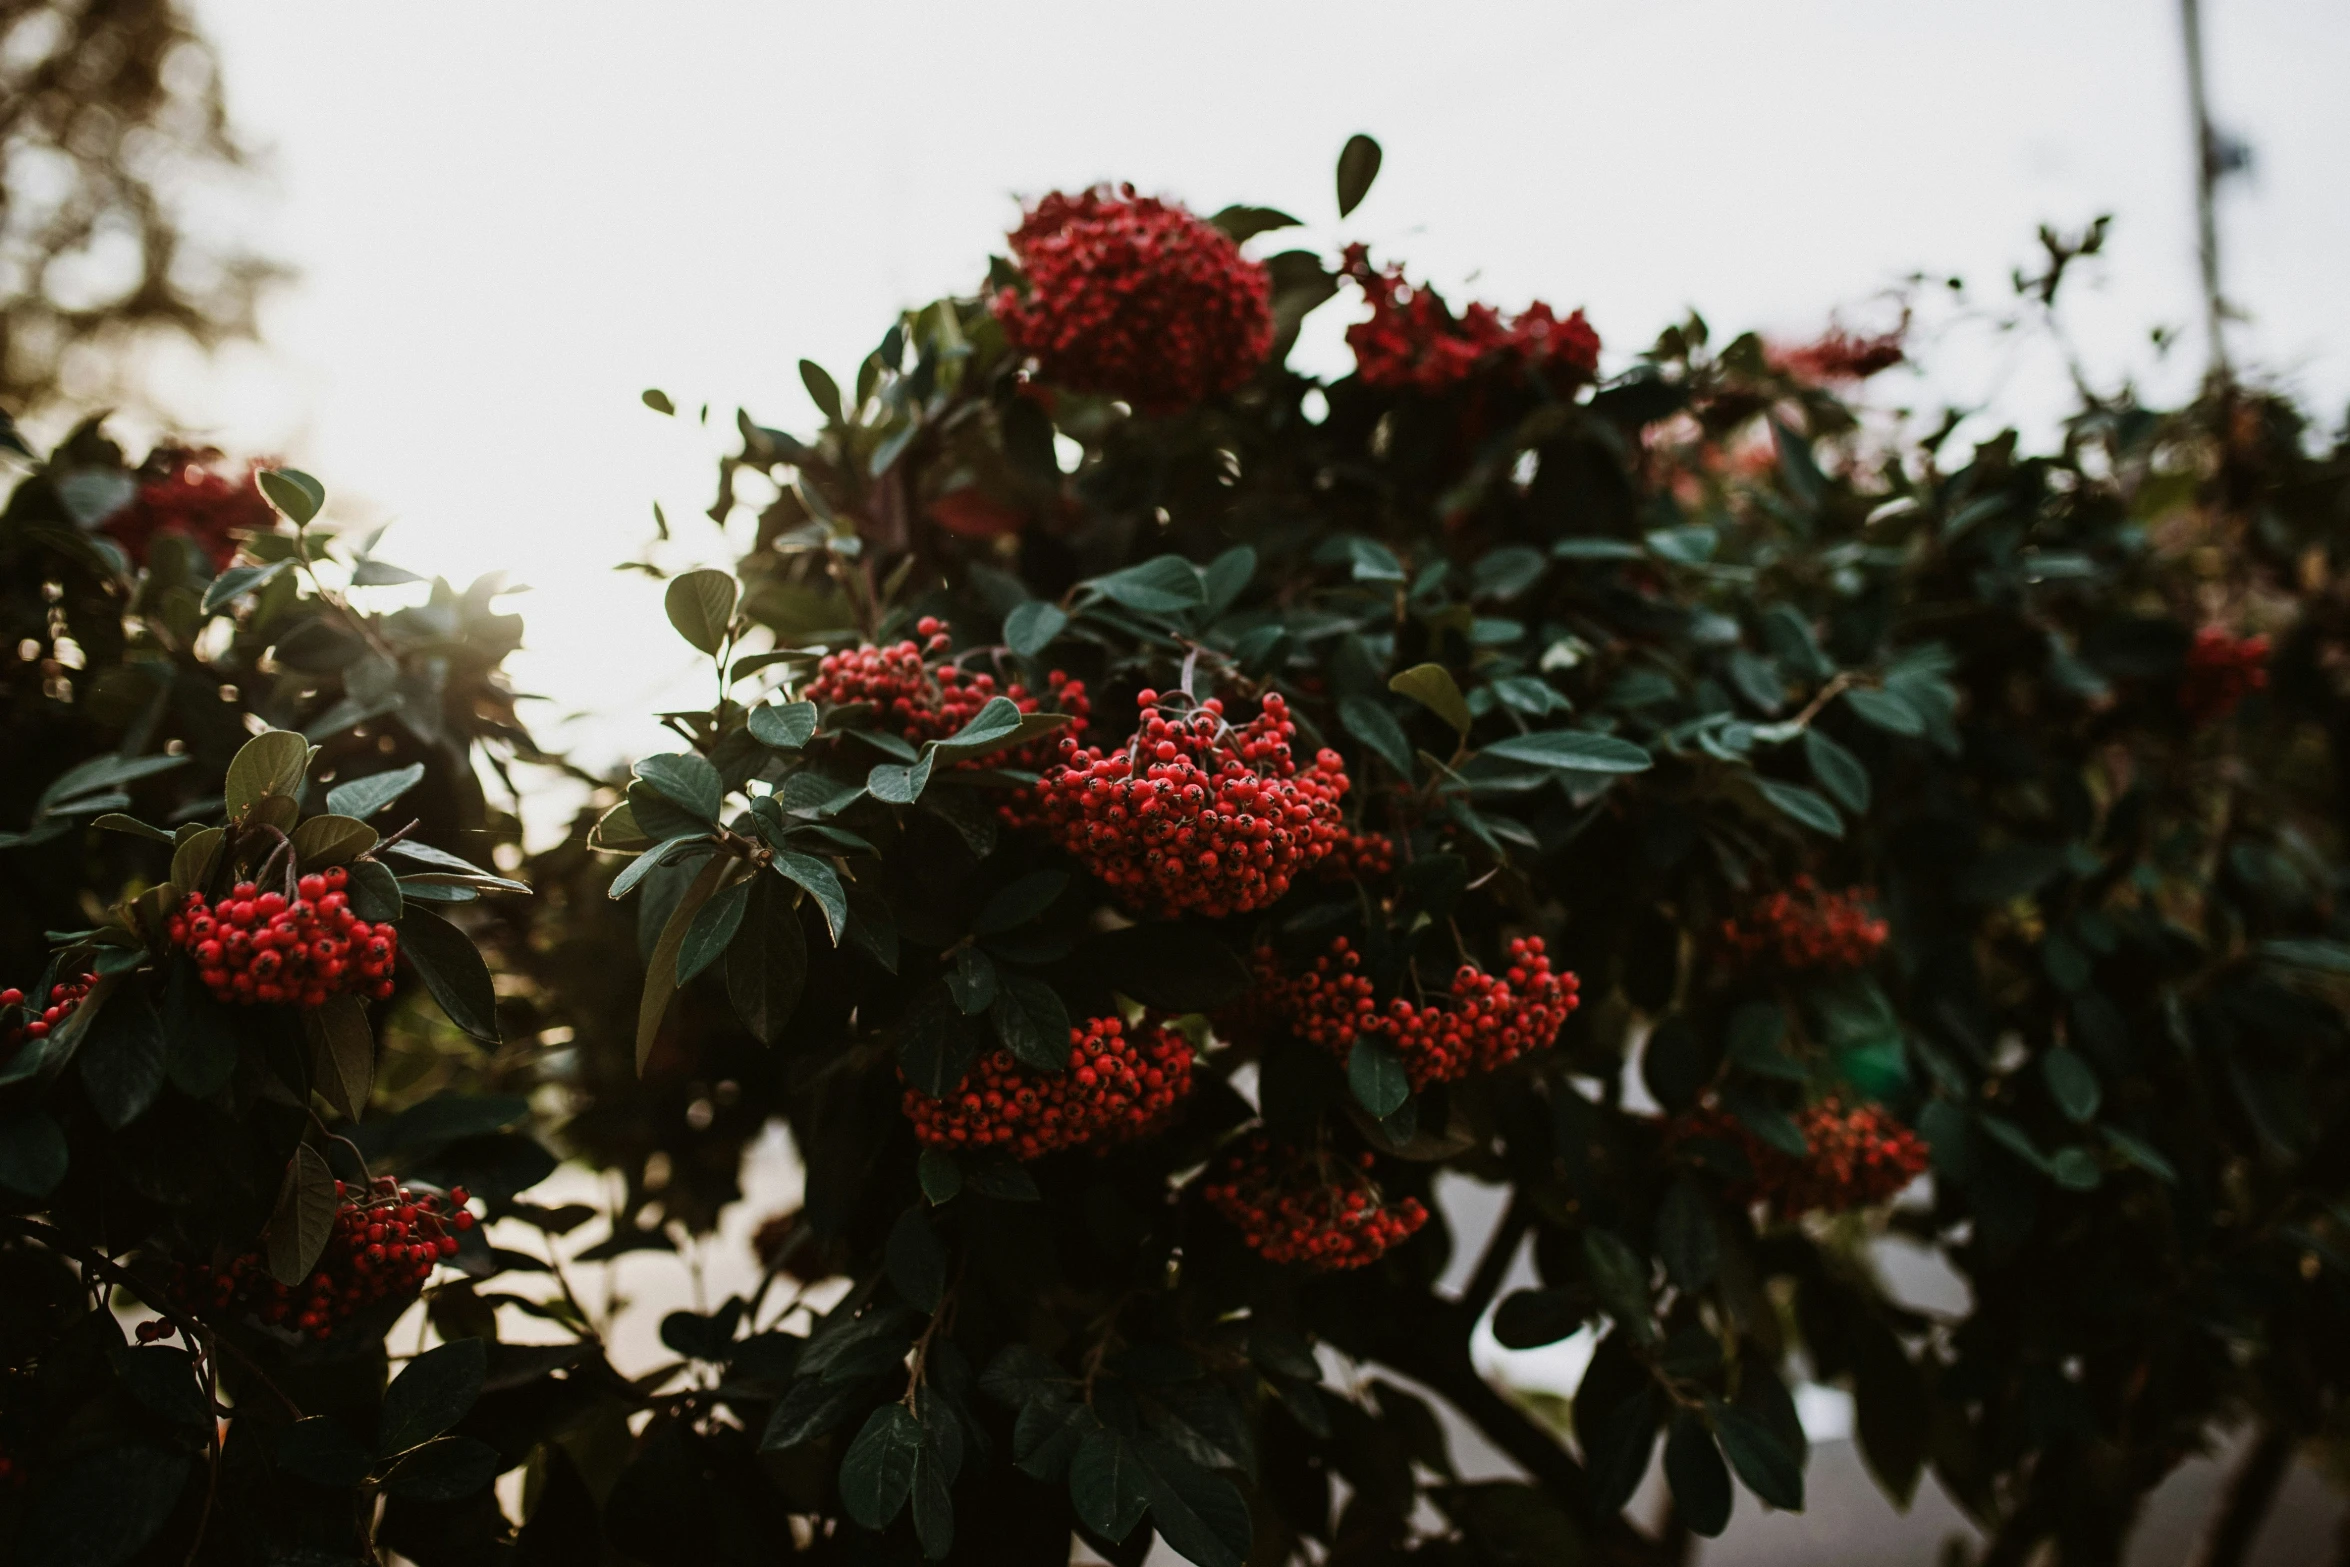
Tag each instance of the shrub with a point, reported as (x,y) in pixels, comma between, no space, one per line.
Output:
(1867,803)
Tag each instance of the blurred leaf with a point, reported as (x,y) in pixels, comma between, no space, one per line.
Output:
(1358,166)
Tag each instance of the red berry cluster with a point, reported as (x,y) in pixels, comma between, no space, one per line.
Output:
(386,1242)
(1484,1023)
(1857,1158)
(255,946)
(1118,1087)
(1839,355)
(192,500)
(1134,298)
(1322,1210)
(1356,856)
(926,697)
(1193,814)
(2221,671)
(1413,340)
(64,996)
(1804,927)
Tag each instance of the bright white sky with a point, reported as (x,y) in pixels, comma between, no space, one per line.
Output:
(509,219)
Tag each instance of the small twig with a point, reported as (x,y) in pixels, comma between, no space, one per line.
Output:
(212,1435)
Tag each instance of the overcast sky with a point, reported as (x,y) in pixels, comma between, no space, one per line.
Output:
(509,219)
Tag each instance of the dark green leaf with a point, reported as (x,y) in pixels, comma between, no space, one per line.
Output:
(1371,723)
(895,785)
(1572,750)
(453,970)
(877,1472)
(1020,902)
(293,492)
(1804,805)
(935,1048)
(444,1469)
(303,1219)
(1771,1471)
(972,982)
(1030,628)
(1752,1042)
(322,1450)
(821,389)
(1198,1512)
(635,871)
(432,1393)
(1376,1074)
(809,1409)
(1529,1319)
(1162,585)
(1358,166)
(712,931)
(1227,576)
(32,1151)
(1033,1022)
(121,1058)
(1838,770)
(940,1175)
(821,883)
(1886,710)
(1432,686)
(1106,1486)
(363,797)
(1686,1236)
(1701,1485)
(686,781)
(784,727)
(1619,1276)
(767,963)
(100,1508)
(2072,1084)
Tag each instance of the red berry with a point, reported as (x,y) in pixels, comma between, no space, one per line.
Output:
(1413,340)
(1119,1087)
(2221,671)
(1856,1158)
(1482,1024)
(1316,1208)
(1805,928)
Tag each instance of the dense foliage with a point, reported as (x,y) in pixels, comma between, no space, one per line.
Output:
(1154,825)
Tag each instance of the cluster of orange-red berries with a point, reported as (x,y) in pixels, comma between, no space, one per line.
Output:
(1319,1209)
(924,696)
(190,499)
(1413,340)
(2221,671)
(1118,1086)
(1857,1157)
(64,997)
(386,1241)
(1483,1023)
(1806,927)
(1838,355)
(256,946)
(1134,298)
(1356,856)
(1192,814)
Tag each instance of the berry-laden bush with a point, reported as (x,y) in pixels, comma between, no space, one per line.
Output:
(1725,828)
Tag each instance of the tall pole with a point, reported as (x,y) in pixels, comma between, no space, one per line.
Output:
(2208,168)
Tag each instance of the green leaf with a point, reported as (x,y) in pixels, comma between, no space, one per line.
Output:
(1032,1021)
(877,1472)
(1531,1318)
(1801,804)
(1371,723)
(1886,710)
(164,1380)
(821,389)
(1572,750)
(293,492)
(1619,1277)
(2143,1154)
(1693,1466)
(707,938)
(989,728)
(1773,1125)
(2072,1084)
(322,1450)
(273,762)
(452,969)
(935,1048)
(338,840)
(1198,1512)
(1753,1038)
(661,970)
(363,797)
(1686,1235)
(940,1175)
(1162,585)
(1242,224)
(432,1393)
(1031,626)
(445,1469)
(33,1153)
(1838,770)
(895,785)
(1358,166)
(1020,902)
(786,727)
(121,1059)
(657,400)
(636,870)
(1432,686)
(972,982)
(131,826)
(685,780)
(821,882)
(767,964)
(303,1218)
(1105,1485)
(916,1261)
(342,1052)
(238,581)
(1762,1460)
(1375,1072)
(375,893)
(701,607)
